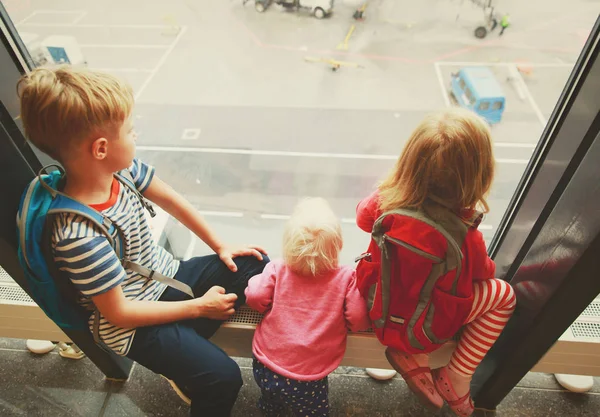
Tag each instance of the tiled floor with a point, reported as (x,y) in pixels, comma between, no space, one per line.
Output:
(50,386)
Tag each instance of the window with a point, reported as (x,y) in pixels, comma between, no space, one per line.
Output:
(469,95)
(484,106)
(246,121)
(497,105)
(462,84)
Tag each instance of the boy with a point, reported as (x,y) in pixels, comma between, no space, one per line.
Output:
(82,119)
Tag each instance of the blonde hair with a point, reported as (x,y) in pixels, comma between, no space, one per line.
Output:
(312,238)
(64,104)
(448,159)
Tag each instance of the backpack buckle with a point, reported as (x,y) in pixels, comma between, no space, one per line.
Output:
(149,207)
(363,256)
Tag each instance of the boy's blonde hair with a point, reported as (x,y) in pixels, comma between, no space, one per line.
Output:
(448,159)
(312,238)
(64,104)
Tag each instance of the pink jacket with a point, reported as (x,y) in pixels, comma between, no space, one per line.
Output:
(303,333)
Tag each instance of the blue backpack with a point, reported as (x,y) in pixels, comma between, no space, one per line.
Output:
(56,295)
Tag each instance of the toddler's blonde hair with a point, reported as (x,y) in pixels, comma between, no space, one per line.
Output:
(312,238)
(64,104)
(447,159)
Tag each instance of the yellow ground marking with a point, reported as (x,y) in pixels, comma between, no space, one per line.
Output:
(343,46)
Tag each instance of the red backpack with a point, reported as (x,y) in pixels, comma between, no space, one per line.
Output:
(418,298)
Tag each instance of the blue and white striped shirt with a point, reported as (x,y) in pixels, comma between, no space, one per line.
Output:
(85,256)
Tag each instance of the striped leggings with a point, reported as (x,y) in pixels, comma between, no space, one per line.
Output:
(493,303)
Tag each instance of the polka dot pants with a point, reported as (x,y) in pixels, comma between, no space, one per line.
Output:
(304,398)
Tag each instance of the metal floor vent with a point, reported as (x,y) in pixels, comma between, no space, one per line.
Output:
(4,277)
(587,325)
(245,315)
(12,292)
(586,330)
(593,310)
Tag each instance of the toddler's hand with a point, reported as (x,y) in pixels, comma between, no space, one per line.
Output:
(227,253)
(216,304)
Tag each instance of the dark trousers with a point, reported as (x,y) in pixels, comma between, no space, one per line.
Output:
(182,352)
(278,394)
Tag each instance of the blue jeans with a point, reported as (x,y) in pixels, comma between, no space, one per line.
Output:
(278,393)
(181,350)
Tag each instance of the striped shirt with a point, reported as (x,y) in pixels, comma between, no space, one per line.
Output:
(84,255)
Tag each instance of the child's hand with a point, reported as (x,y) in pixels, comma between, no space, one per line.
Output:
(216,304)
(227,253)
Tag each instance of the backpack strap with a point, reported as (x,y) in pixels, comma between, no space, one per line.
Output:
(124,176)
(62,203)
(439,267)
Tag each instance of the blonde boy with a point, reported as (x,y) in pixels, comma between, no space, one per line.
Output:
(83,119)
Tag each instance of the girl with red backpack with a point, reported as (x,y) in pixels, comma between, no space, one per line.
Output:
(426,273)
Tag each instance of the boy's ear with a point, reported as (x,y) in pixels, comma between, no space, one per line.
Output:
(100,148)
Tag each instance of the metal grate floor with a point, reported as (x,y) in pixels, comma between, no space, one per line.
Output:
(12,292)
(586,330)
(245,315)
(593,310)
(4,277)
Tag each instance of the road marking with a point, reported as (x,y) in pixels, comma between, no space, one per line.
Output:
(88,25)
(503,64)
(343,46)
(80,14)
(132,70)
(283,217)
(438,72)
(210,213)
(189,252)
(515,145)
(161,62)
(124,46)
(274,216)
(79,18)
(532,103)
(260,152)
(191,134)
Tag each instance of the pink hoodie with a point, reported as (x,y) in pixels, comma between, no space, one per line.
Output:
(303,333)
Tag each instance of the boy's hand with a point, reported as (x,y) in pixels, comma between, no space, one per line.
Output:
(216,304)
(227,253)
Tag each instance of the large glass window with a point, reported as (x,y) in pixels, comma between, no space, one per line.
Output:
(245,112)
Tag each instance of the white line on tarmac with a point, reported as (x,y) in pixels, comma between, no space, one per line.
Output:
(515,145)
(89,25)
(261,152)
(503,64)
(123,46)
(210,213)
(133,70)
(161,62)
(283,217)
(274,216)
(444,91)
(78,19)
(531,101)
(26,18)
(190,249)
(81,14)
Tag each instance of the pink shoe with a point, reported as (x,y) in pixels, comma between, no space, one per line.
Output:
(418,379)
(462,406)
